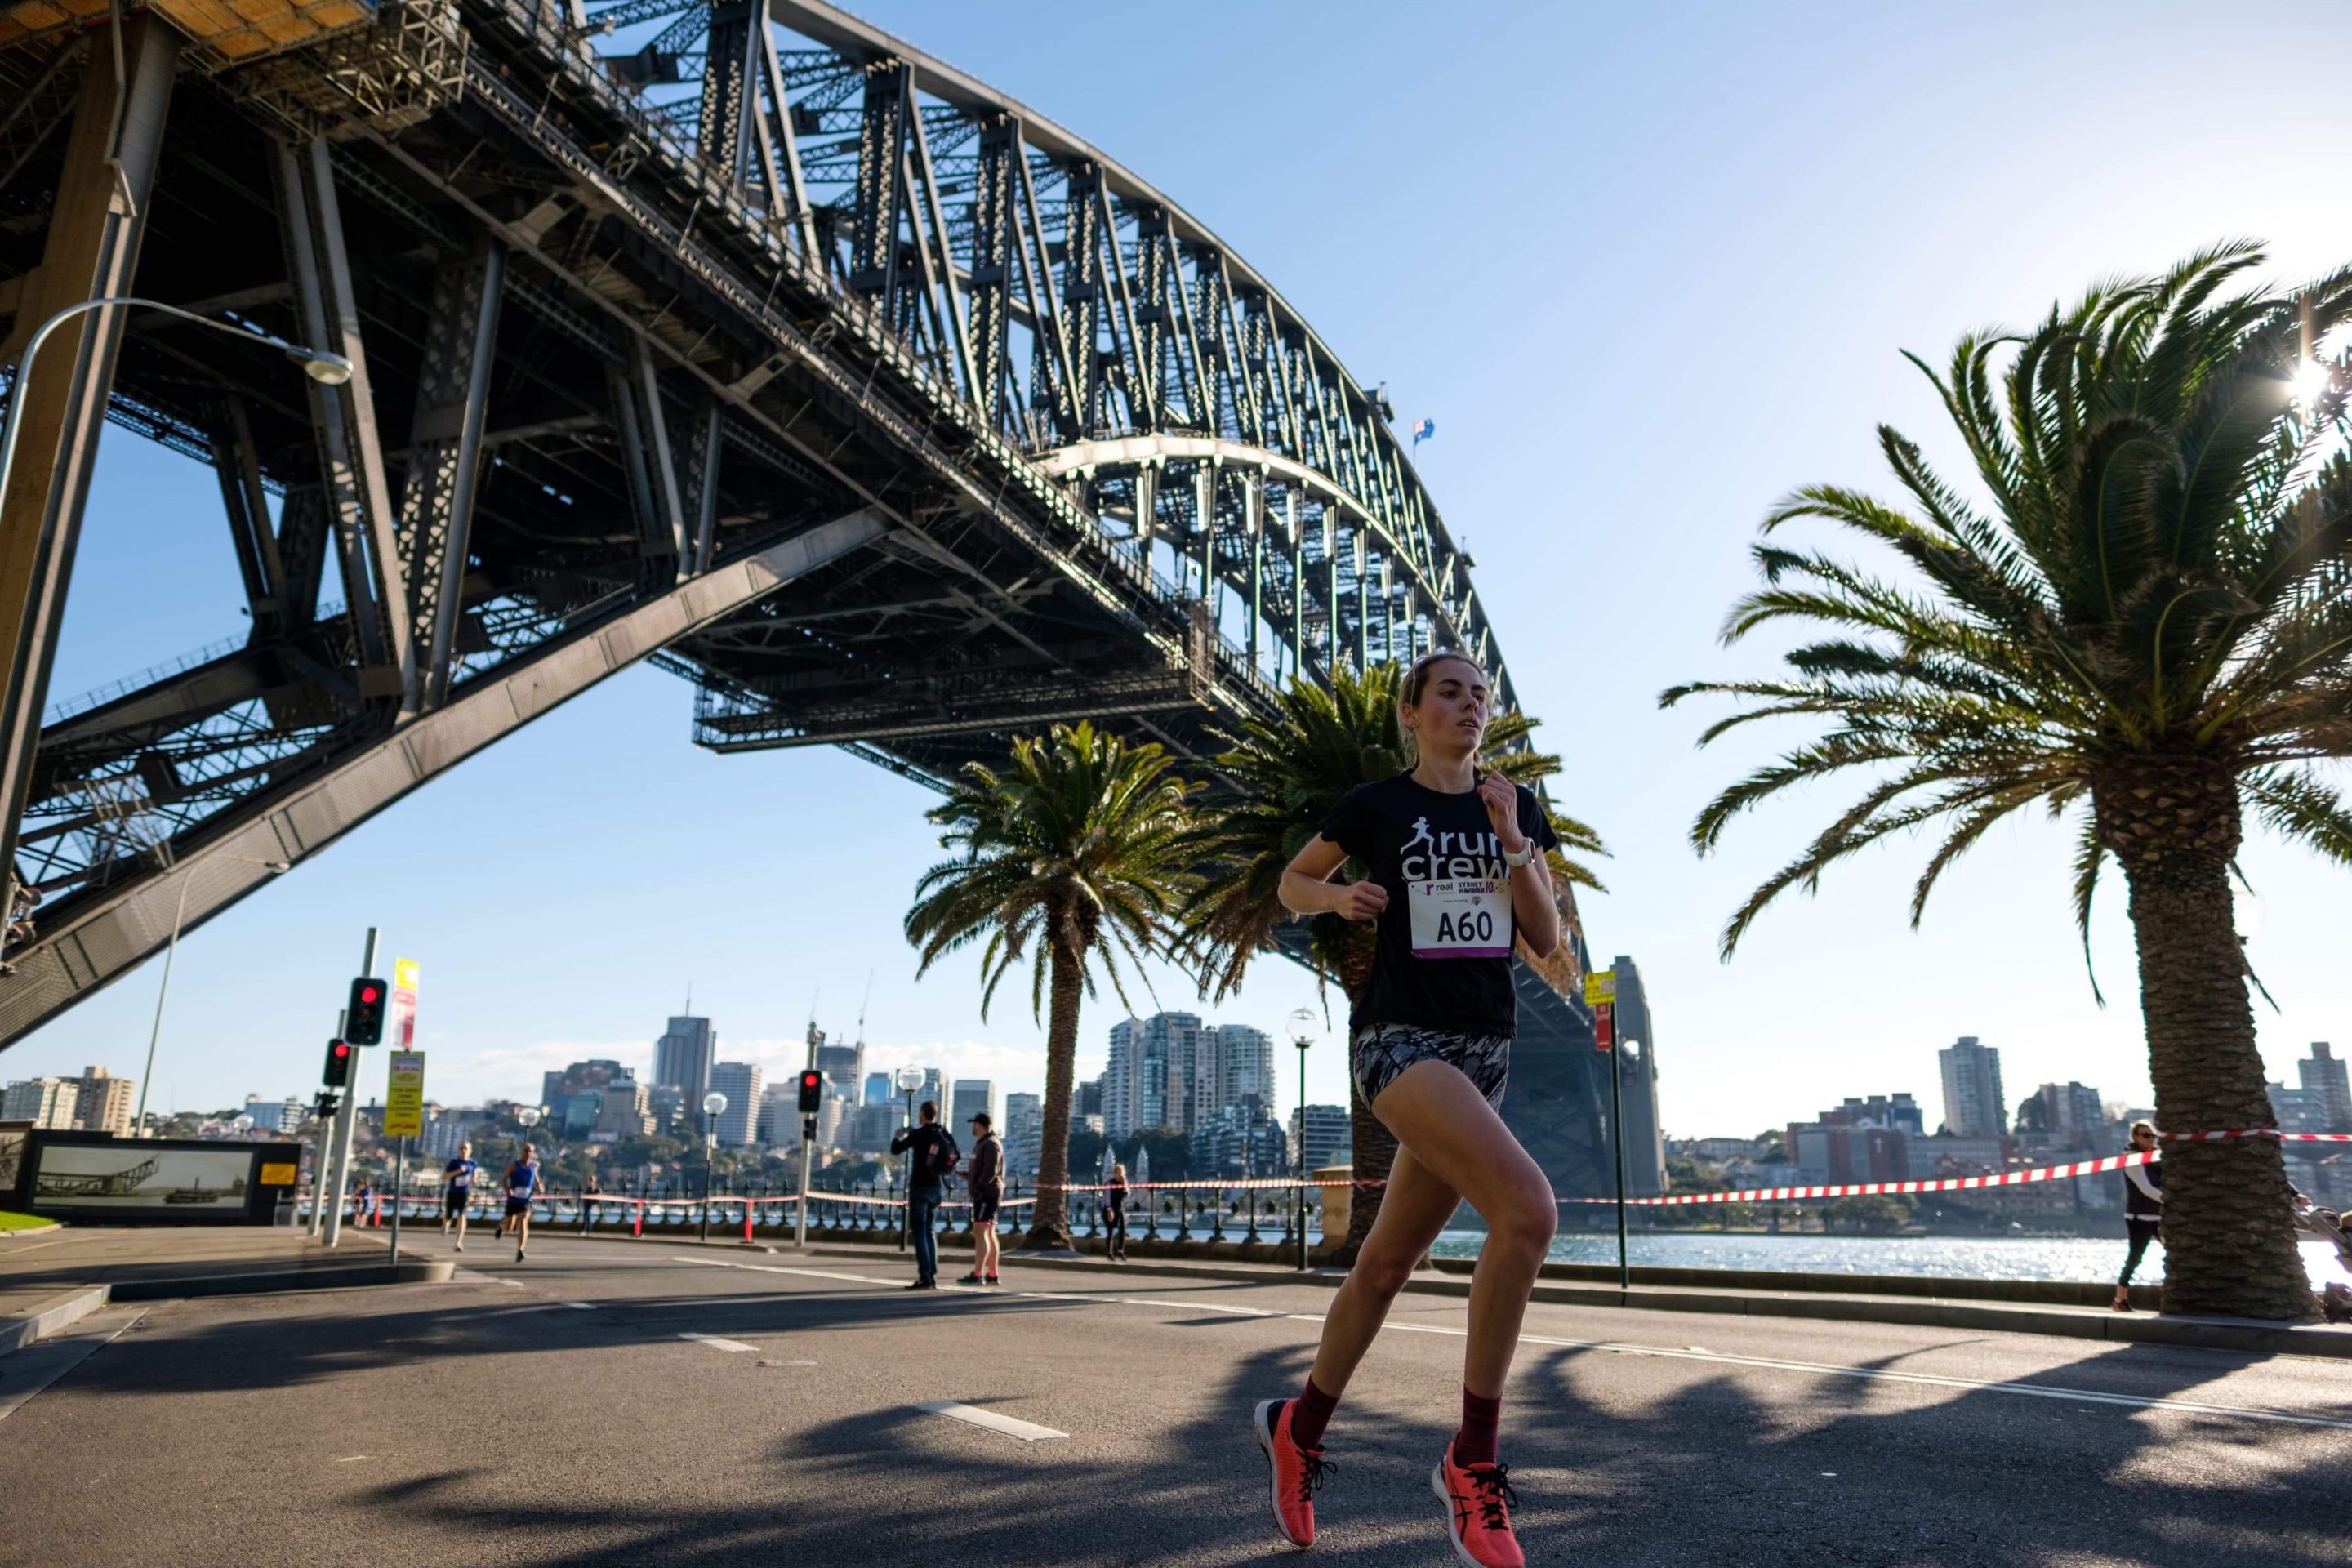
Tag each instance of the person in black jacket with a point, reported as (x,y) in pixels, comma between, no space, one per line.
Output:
(985,1178)
(931,1157)
(2143,1208)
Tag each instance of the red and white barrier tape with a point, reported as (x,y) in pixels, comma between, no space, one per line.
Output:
(2256,1133)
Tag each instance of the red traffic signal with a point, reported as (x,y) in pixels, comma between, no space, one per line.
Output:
(811,1090)
(337,1074)
(364,1015)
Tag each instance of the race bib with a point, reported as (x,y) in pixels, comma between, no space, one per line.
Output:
(1469,917)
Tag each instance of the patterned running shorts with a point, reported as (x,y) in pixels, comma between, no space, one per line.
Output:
(1380,1052)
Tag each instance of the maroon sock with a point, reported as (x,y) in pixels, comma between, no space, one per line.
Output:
(1475,1444)
(1309,1413)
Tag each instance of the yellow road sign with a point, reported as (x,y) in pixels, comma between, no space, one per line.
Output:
(403,1095)
(1599,986)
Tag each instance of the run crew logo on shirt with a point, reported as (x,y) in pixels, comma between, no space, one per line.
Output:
(1444,940)
(1458,893)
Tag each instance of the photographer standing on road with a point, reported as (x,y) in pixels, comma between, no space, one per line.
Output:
(931,1157)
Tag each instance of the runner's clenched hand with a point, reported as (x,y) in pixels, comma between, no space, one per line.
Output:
(1361,900)
(1500,796)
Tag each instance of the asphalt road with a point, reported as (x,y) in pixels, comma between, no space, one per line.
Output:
(604,1404)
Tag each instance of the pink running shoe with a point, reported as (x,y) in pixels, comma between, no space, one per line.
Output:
(1478,1500)
(1293,1473)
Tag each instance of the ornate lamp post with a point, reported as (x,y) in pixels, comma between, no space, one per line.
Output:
(714,1105)
(1304,1026)
(909,1079)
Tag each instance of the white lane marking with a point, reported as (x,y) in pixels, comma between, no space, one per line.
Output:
(579,1306)
(1929,1380)
(1922,1379)
(715,1342)
(1028,1432)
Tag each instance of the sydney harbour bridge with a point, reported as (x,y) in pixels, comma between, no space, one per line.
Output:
(747,340)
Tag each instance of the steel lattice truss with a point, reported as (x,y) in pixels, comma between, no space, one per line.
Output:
(887,412)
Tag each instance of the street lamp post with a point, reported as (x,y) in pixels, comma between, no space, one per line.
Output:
(909,1079)
(714,1105)
(1628,1054)
(1305,1025)
(275,868)
(21,722)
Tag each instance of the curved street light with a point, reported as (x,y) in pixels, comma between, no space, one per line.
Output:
(325,368)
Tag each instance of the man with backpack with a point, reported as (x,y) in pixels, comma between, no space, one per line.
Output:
(931,1157)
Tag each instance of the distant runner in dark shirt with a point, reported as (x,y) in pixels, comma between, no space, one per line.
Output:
(522,1184)
(457,1190)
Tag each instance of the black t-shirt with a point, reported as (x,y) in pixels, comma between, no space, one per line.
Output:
(1445,955)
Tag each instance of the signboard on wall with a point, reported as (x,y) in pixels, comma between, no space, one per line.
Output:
(92,1176)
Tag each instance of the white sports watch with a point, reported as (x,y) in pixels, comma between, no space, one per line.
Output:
(1522,857)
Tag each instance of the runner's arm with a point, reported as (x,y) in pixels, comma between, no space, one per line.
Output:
(1308,889)
(1533,908)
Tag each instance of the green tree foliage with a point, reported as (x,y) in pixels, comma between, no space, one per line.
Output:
(2142,621)
(1070,856)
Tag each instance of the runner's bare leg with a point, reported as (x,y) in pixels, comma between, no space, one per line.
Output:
(1460,1138)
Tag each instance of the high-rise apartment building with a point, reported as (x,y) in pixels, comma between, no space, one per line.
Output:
(842,1065)
(2297,1109)
(2067,1115)
(1245,1064)
(624,1110)
(556,1089)
(877,1089)
(43,1101)
(104,1103)
(1025,1133)
(2322,1075)
(1327,1140)
(1172,1070)
(972,1096)
(1974,1106)
(683,1058)
(740,1082)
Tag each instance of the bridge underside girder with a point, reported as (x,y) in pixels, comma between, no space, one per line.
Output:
(613,342)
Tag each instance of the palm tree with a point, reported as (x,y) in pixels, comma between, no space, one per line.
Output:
(1280,777)
(2150,627)
(1073,853)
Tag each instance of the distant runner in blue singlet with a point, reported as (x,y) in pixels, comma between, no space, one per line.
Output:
(523,1183)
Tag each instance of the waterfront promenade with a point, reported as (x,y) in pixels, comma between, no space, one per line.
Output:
(605,1403)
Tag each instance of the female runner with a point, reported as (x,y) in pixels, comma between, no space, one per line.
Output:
(1456,866)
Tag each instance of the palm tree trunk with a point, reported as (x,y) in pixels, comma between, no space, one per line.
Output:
(2229,1239)
(1049,1227)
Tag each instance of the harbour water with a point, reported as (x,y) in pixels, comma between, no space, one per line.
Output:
(1956,1256)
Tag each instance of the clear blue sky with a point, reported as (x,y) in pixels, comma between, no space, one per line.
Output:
(1648,268)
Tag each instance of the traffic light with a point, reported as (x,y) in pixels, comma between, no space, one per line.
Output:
(363,1019)
(811,1090)
(338,1065)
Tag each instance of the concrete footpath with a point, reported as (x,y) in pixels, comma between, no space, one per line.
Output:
(52,1279)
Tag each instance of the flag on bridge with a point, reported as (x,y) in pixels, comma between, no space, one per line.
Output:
(1423,431)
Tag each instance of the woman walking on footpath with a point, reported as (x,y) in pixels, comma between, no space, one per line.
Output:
(1457,868)
(1115,1213)
(522,1182)
(2143,1208)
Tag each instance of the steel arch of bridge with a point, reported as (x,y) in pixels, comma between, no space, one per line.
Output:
(641,295)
